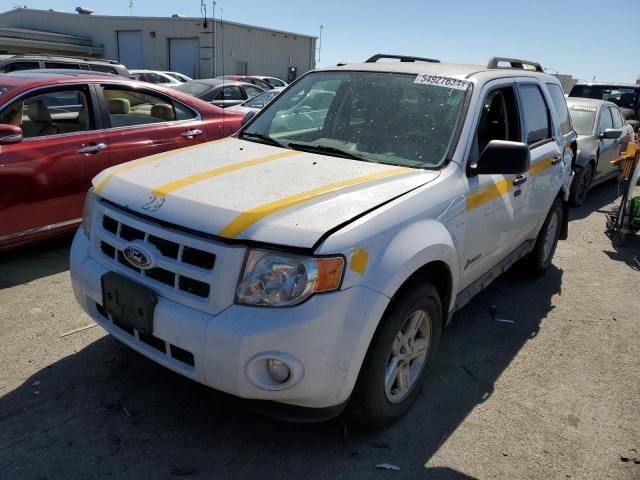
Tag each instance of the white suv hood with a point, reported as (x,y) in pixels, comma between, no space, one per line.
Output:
(244,190)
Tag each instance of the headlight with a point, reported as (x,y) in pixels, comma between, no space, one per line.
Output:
(277,279)
(87,213)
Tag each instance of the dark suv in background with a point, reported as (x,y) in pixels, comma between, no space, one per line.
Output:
(625,96)
(13,63)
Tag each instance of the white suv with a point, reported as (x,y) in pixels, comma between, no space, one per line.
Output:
(313,259)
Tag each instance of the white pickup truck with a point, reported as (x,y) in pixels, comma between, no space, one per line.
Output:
(312,260)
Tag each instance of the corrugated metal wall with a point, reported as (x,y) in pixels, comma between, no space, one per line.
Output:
(266,52)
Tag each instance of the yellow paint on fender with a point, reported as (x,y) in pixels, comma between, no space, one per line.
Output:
(248,218)
(146,160)
(198,177)
(359,261)
(493,191)
(539,167)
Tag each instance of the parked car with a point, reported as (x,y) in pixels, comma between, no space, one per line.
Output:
(317,266)
(153,76)
(602,137)
(258,81)
(14,63)
(220,92)
(625,96)
(273,81)
(181,77)
(256,103)
(57,131)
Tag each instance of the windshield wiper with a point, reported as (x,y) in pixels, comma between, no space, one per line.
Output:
(263,137)
(337,152)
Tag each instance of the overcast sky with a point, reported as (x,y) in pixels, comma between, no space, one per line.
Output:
(583,38)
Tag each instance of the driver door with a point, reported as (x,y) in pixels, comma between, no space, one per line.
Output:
(495,206)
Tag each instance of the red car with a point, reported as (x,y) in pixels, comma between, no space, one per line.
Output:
(58,130)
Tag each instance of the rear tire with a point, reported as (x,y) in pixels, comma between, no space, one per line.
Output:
(542,254)
(581,185)
(401,352)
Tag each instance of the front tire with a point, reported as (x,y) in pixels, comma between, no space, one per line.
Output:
(400,354)
(581,186)
(540,257)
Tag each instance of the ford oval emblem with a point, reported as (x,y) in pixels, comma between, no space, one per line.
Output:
(137,257)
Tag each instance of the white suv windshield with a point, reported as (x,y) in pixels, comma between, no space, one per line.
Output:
(380,117)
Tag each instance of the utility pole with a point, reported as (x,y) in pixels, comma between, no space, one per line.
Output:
(320,45)
(213,39)
(131,8)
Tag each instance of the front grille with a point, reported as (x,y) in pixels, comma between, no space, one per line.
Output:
(181,266)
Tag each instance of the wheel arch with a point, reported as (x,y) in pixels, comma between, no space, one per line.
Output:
(408,260)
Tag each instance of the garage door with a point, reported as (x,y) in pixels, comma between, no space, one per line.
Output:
(130,49)
(184,56)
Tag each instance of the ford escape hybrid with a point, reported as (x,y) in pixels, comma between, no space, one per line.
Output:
(314,258)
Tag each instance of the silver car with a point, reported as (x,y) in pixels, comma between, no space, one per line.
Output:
(603,136)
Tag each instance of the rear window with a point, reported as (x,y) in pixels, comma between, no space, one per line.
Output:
(583,118)
(625,97)
(103,68)
(194,88)
(560,104)
(535,113)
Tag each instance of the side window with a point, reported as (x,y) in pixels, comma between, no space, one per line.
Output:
(232,93)
(17,66)
(557,96)
(66,66)
(128,108)
(617,118)
(52,113)
(605,120)
(535,113)
(103,68)
(251,91)
(183,112)
(499,118)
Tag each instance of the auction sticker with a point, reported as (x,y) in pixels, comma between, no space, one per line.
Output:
(441,81)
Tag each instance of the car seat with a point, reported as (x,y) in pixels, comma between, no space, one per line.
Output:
(163,111)
(40,123)
(119,106)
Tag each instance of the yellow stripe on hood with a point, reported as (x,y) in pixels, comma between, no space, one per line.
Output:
(248,218)
(198,177)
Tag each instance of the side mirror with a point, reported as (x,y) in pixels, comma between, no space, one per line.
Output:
(247,117)
(611,133)
(502,157)
(10,134)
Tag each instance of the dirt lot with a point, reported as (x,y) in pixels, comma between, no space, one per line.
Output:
(555,394)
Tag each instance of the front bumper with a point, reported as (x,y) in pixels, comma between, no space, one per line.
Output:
(325,338)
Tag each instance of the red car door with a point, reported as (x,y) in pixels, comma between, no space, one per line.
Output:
(141,122)
(45,176)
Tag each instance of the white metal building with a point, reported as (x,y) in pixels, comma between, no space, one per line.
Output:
(179,44)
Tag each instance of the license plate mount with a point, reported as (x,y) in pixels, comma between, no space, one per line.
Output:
(129,302)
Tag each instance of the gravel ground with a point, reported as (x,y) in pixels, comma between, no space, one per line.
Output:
(555,394)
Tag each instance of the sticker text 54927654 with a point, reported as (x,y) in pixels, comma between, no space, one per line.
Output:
(441,81)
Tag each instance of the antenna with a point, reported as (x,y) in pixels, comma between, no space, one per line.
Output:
(203,11)
(320,44)
(130,8)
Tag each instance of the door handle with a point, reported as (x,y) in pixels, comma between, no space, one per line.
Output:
(555,159)
(92,148)
(192,132)
(519,180)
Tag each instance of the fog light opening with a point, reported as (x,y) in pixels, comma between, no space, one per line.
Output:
(278,370)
